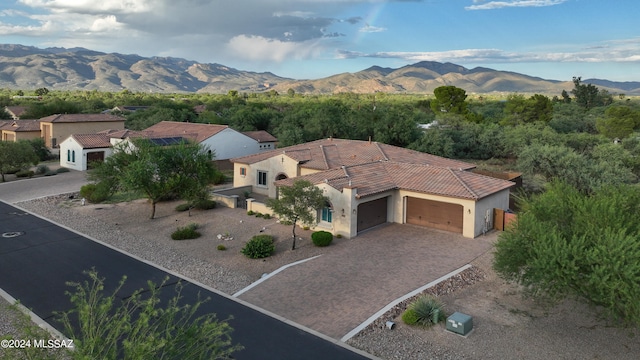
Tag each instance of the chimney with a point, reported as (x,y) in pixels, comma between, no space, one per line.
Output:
(369,139)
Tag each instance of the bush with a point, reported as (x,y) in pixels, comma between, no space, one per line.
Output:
(95,193)
(425,308)
(321,238)
(250,213)
(218,178)
(204,204)
(187,232)
(259,215)
(42,169)
(222,247)
(24,173)
(260,246)
(306,228)
(62,170)
(50,173)
(339,236)
(183,207)
(410,317)
(286,222)
(266,216)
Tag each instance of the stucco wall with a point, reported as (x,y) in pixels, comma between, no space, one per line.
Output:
(71,145)
(498,200)
(273,166)
(229,144)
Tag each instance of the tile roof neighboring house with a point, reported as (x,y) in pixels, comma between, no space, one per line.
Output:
(75,118)
(15,111)
(260,136)
(92,141)
(21,125)
(330,153)
(377,177)
(198,131)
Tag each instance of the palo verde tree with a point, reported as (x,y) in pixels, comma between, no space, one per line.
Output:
(449,99)
(298,203)
(160,172)
(569,244)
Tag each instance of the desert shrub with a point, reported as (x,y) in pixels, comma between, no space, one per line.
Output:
(250,213)
(204,204)
(321,238)
(62,170)
(260,246)
(425,308)
(218,178)
(286,222)
(95,193)
(42,169)
(12,171)
(305,228)
(339,236)
(24,173)
(183,207)
(50,173)
(187,232)
(410,317)
(258,214)
(266,216)
(221,247)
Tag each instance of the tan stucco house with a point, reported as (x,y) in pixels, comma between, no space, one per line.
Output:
(56,128)
(370,183)
(15,130)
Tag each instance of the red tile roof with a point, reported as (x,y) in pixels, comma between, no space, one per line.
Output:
(92,141)
(260,136)
(200,132)
(74,118)
(376,177)
(16,111)
(333,153)
(21,125)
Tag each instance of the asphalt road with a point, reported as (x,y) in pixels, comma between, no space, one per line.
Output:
(29,189)
(36,264)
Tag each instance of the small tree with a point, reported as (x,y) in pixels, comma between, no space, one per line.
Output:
(15,156)
(297,204)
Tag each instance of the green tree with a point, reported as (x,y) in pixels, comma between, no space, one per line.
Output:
(449,99)
(298,203)
(566,243)
(618,122)
(138,328)
(42,91)
(16,156)
(588,95)
(518,110)
(41,150)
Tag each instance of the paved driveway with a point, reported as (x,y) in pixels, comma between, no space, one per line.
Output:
(336,292)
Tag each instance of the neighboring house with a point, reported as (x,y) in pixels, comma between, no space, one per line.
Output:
(15,130)
(225,142)
(369,183)
(15,111)
(56,128)
(79,150)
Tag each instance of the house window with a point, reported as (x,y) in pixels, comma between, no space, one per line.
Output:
(262,178)
(68,155)
(243,171)
(326,213)
(73,156)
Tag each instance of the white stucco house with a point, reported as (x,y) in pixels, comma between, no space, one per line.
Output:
(79,150)
(370,183)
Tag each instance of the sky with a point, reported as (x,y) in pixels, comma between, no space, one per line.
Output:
(310,39)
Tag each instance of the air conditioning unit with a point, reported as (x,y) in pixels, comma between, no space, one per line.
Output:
(460,323)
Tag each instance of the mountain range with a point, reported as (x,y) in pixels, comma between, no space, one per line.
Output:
(27,68)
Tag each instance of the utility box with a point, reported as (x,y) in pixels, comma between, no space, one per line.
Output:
(460,323)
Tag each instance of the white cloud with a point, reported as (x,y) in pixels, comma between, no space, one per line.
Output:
(371,29)
(91,6)
(107,23)
(257,48)
(483,5)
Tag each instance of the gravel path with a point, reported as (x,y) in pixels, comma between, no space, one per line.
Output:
(506,326)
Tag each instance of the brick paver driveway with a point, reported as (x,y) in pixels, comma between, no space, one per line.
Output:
(336,292)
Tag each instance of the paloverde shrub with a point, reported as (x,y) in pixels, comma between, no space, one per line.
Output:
(260,246)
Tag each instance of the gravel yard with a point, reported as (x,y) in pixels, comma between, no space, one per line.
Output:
(506,325)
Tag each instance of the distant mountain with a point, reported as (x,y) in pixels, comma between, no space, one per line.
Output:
(27,67)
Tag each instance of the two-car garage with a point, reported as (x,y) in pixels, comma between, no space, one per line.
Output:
(435,214)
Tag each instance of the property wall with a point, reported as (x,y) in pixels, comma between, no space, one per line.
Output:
(61,131)
(498,200)
(8,135)
(469,209)
(274,166)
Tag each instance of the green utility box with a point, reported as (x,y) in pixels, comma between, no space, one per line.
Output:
(460,323)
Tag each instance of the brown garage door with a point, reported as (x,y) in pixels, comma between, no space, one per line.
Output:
(372,213)
(434,214)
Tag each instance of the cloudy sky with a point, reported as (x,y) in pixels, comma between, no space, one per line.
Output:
(306,39)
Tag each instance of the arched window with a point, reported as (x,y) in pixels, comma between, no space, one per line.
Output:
(326,213)
(73,156)
(68,155)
